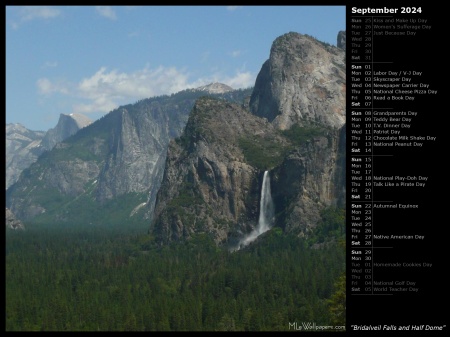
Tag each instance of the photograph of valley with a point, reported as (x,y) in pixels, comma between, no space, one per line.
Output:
(175,168)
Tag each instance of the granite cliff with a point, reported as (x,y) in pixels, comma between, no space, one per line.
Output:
(302,82)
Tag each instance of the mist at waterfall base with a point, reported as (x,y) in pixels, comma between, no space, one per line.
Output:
(266,214)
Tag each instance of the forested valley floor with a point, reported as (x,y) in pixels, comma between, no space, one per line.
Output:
(115,279)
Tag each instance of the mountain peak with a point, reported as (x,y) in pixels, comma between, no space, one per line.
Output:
(80,120)
(215,88)
(303,82)
(68,125)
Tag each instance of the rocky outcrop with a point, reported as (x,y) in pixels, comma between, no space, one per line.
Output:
(211,186)
(341,38)
(303,83)
(12,222)
(208,185)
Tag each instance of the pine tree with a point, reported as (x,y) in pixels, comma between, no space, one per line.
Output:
(337,302)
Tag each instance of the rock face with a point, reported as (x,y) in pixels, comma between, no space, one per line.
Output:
(209,186)
(67,126)
(303,82)
(295,128)
(311,178)
(134,150)
(12,222)
(23,147)
(108,171)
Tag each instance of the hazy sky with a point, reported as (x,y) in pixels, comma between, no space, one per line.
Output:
(90,60)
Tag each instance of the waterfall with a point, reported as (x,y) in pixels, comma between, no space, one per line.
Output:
(266,213)
(266,206)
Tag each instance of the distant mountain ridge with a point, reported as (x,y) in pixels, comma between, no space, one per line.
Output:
(116,163)
(24,146)
(215,88)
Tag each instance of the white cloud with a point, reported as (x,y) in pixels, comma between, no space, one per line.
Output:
(106,11)
(235,53)
(29,13)
(100,104)
(49,64)
(46,87)
(233,8)
(106,90)
(240,80)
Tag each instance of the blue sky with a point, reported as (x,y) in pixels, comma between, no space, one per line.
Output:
(90,60)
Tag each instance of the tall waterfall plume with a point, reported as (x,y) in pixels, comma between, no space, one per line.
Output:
(266,213)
